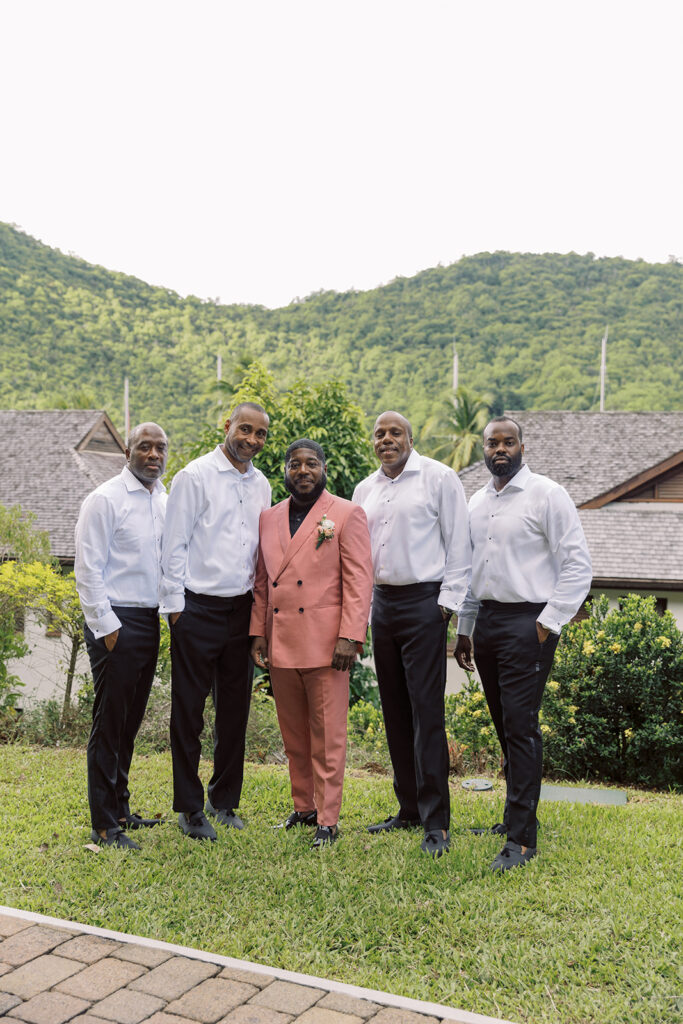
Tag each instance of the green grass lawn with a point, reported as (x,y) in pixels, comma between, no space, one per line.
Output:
(590,931)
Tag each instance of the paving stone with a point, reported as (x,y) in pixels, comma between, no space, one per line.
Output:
(126,1007)
(38,975)
(87,1018)
(101,979)
(49,1008)
(250,1014)
(172,979)
(317,1015)
(29,943)
(393,1015)
(287,997)
(248,977)
(145,955)
(7,1001)
(88,948)
(10,925)
(168,1018)
(4,968)
(212,999)
(349,1004)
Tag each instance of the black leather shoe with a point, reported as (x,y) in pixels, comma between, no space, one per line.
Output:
(499,829)
(435,844)
(225,817)
(196,826)
(133,821)
(115,837)
(391,823)
(301,818)
(325,835)
(511,856)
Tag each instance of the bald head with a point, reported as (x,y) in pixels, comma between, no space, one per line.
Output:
(393,440)
(146,453)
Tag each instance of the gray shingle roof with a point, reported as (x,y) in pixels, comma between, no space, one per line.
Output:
(590,453)
(43,472)
(631,543)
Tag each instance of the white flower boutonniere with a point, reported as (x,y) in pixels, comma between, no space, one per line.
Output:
(325,531)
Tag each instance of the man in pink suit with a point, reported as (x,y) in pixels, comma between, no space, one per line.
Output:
(309,620)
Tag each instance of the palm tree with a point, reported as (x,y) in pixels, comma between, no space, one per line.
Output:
(453,433)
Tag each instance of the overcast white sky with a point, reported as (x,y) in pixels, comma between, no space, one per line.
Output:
(256,151)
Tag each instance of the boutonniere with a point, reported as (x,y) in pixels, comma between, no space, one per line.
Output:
(325,531)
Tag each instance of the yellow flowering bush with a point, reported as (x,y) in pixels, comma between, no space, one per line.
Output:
(613,704)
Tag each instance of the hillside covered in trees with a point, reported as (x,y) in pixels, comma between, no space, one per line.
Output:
(527,330)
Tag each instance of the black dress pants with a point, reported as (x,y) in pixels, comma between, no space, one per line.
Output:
(210,654)
(122,679)
(513,667)
(409,646)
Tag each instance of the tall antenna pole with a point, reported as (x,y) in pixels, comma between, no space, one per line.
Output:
(126,408)
(455,367)
(603,369)
(219,367)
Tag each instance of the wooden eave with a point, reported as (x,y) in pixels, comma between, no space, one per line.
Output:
(103,419)
(623,583)
(635,482)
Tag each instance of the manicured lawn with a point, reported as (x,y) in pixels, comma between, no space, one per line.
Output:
(589,932)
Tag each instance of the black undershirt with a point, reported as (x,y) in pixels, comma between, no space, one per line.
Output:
(296,517)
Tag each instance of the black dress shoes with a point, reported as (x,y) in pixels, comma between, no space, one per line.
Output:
(225,817)
(196,826)
(391,823)
(325,835)
(499,829)
(435,843)
(511,856)
(133,821)
(301,818)
(115,837)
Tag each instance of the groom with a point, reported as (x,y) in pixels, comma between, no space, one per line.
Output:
(308,622)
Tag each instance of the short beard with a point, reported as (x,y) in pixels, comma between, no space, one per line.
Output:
(507,468)
(308,499)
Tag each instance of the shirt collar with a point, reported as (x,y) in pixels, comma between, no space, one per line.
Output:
(224,464)
(413,465)
(133,484)
(518,482)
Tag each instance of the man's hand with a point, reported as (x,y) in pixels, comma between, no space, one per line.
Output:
(173,617)
(445,613)
(542,632)
(345,652)
(259,651)
(110,640)
(463,652)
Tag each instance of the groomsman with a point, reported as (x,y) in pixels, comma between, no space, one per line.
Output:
(208,563)
(117,568)
(421,558)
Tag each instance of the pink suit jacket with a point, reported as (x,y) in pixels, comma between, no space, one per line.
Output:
(305,597)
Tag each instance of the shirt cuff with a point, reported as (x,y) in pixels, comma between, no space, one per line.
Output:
(109,623)
(466,625)
(171,603)
(553,619)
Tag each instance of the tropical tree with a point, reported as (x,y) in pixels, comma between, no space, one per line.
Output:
(453,434)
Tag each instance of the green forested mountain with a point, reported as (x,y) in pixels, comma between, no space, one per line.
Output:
(527,329)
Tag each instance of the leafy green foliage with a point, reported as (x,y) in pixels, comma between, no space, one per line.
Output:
(614,707)
(20,539)
(322,412)
(453,434)
(527,329)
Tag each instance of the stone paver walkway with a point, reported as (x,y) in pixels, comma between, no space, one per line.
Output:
(55,971)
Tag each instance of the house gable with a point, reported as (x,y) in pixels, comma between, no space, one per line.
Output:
(662,482)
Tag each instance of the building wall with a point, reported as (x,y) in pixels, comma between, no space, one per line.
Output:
(43,669)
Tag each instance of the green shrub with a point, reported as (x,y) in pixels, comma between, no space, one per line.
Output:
(472,741)
(613,708)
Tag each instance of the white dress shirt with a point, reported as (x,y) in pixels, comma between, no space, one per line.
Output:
(118,549)
(418,527)
(211,535)
(527,545)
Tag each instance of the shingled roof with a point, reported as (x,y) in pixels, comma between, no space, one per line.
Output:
(637,545)
(51,460)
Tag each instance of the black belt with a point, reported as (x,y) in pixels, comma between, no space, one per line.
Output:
(216,600)
(514,606)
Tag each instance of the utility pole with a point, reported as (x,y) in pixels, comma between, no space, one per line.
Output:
(219,367)
(455,367)
(603,369)
(126,408)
